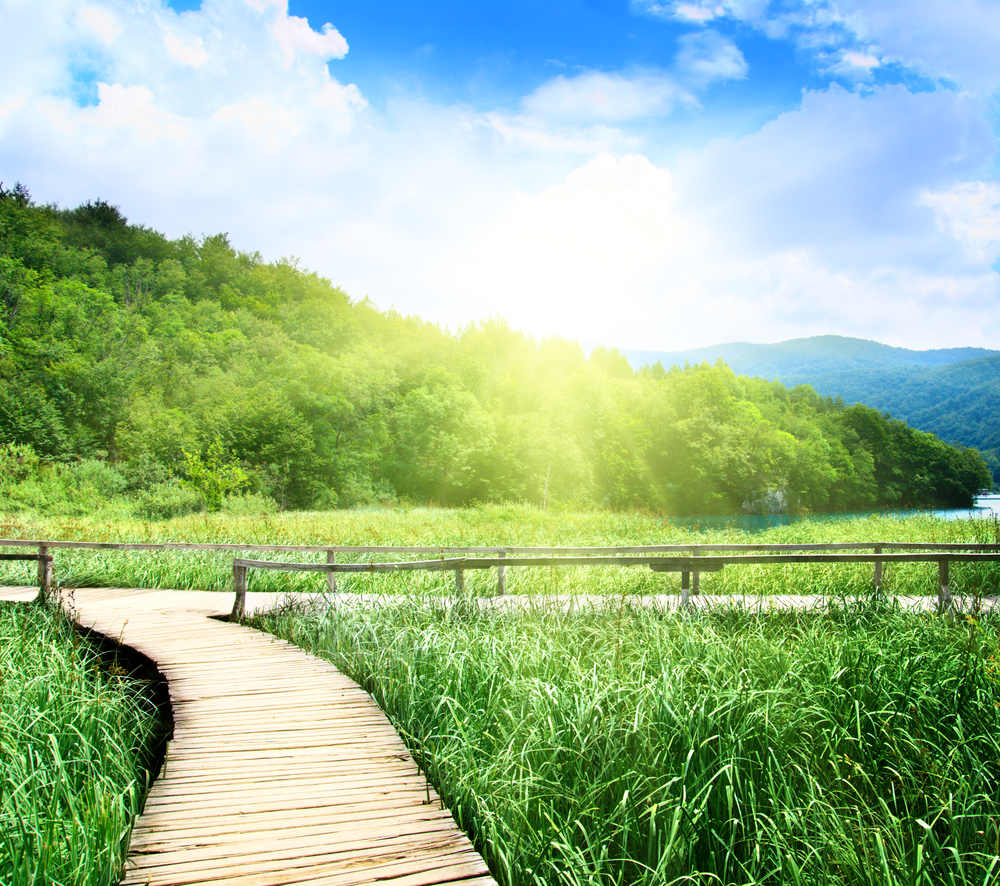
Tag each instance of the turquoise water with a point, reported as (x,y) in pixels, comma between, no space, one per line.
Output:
(987,506)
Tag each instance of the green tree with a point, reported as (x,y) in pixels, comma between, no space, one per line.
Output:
(443,436)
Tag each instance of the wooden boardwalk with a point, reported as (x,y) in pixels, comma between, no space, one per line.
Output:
(281,770)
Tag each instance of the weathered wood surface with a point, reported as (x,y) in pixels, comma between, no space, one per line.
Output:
(281,770)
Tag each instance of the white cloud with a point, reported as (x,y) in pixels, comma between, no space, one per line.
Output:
(102,22)
(613,213)
(860,59)
(696,12)
(841,175)
(294,35)
(705,57)
(340,98)
(598,96)
(593,97)
(133,107)
(186,53)
(262,119)
(954,41)
(523,133)
(13,105)
(970,211)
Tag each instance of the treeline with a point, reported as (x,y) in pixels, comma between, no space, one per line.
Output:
(182,372)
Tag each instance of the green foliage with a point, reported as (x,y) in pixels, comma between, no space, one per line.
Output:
(854,747)
(215,476)
(76,738)
(120,346)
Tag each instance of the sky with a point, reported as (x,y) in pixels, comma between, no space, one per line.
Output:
(645,174)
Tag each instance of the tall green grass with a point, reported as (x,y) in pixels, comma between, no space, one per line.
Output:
(76,739)
(856,746)
(487,526)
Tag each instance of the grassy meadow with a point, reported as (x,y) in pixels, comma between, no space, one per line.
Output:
(488,525)
(76,738)
(856,746)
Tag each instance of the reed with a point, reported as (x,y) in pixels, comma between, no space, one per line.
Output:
(76,740)
(856,746)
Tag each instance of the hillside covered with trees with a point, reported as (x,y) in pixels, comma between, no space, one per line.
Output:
(180,372)
(953,393)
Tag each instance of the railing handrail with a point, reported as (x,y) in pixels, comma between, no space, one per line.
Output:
(696,558)
(562,550)
(693,564)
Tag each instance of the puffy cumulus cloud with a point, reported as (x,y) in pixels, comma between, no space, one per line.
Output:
(902,305)
(132,107)
(970,211)
(295,35)
(696,12)
(955,41)
(192,54)
(532,135)
(840,175)
(610,254)
(706,57)
(866,61)
(823,221)
(558,259)
(102,22)
(339,97)
(96,70)
(226,52)
(598,96)
(610,212)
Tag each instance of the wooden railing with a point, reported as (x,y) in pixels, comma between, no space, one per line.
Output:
(689,560)
(44,560)
(691,565)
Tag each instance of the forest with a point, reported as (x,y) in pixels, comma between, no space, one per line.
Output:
(179,374)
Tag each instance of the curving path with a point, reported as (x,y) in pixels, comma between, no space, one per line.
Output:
(281,770)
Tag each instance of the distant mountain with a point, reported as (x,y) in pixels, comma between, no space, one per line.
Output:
(800,360)
(951,392)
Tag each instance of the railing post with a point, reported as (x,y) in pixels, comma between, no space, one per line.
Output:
(695,576)
(44,574)
(240,585)
(501,575)
(459,583)
(331,577)
(877,580)
(685,588)
(944,593)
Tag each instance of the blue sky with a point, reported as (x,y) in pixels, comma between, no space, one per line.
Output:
(654,174)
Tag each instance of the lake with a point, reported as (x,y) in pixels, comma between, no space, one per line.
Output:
(987,506)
